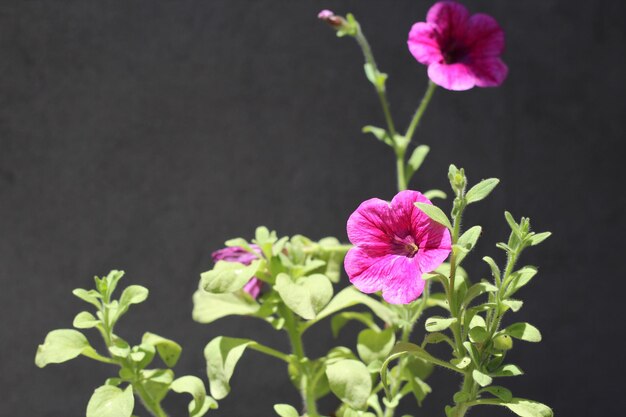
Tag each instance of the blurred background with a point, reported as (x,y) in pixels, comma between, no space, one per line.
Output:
(140,135)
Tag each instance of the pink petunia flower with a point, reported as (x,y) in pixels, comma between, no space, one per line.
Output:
(395,243)
(237,254)
(461,51)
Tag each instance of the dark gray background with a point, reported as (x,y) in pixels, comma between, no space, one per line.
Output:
(140,135)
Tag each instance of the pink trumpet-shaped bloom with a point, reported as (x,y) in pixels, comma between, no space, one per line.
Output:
(395,243)
(237,254)
(461,51)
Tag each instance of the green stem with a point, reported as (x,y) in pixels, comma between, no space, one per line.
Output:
(380,90)
(419,112)
(307,388)
(401,169)
(269,351)
(456,326)
(148,402)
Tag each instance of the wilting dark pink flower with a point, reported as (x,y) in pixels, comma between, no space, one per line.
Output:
(237,254)
(395,243)
(461,51)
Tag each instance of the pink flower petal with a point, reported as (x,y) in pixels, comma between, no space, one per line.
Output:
(457,77)
(423,43)
(484,36)
(449,17)
(406,284)
(370,226)
(489,72)
(253,287)
(397,276)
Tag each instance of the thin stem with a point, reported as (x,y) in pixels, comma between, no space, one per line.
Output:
(382,96)
(419,112)
(401,170)
(269,351)
(307,389)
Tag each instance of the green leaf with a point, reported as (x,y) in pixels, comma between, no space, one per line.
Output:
(434,213)
(437,324)
(495,271)
(91,296)
(380,134)
(539,237)
(468,241)
(508,370)
(500,392)
(157,382)
(432,194)
(222,355)
(434,338)
(478,289)
(168,350)
(307,296)
(85,320)
(480,378)
(60,346)
(478,334)
(349,297)
(227,277)
(415,161)
(285,410)
(481,190)
(520,278)
(111,281)
(350,381)
(110,401)
(209,307)
(524,331)
(375,345)
(201,403)
(528,408)
(133,294)
(461,363)
(514,305)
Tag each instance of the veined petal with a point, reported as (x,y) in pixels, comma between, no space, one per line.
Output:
(253,287)
(434,249)
(450,19)
(489,72)
(457,77)
(484,36)
(423,43)
(405,283)
(369,226)
(364,271)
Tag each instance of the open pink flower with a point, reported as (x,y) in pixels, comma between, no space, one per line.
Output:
(394,244)
(461,51)
(237,254)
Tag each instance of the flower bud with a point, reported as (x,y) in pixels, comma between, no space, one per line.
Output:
(503,342)
(329,17)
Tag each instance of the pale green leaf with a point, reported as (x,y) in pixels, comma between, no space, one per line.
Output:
(60,346)
(91,296)
(434,213)
(524,331)
(168,350)
(307,296)
(375,345)
(437,324)
(481,190)
(500,392)
(209,307)
(416,159)
(350,381)
(539,237)
(193,385)
(528,408)
(222,355)
(85,320)
(285,410)
(468,241)
(480,378)
(110,401)
(227,277)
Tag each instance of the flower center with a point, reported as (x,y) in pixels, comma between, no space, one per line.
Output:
(454,52)
(406,246)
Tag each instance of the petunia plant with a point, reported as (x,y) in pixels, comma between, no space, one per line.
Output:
(404,261)
(134,378)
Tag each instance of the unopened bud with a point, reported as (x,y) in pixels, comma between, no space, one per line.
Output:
(503,342)
(331,18)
